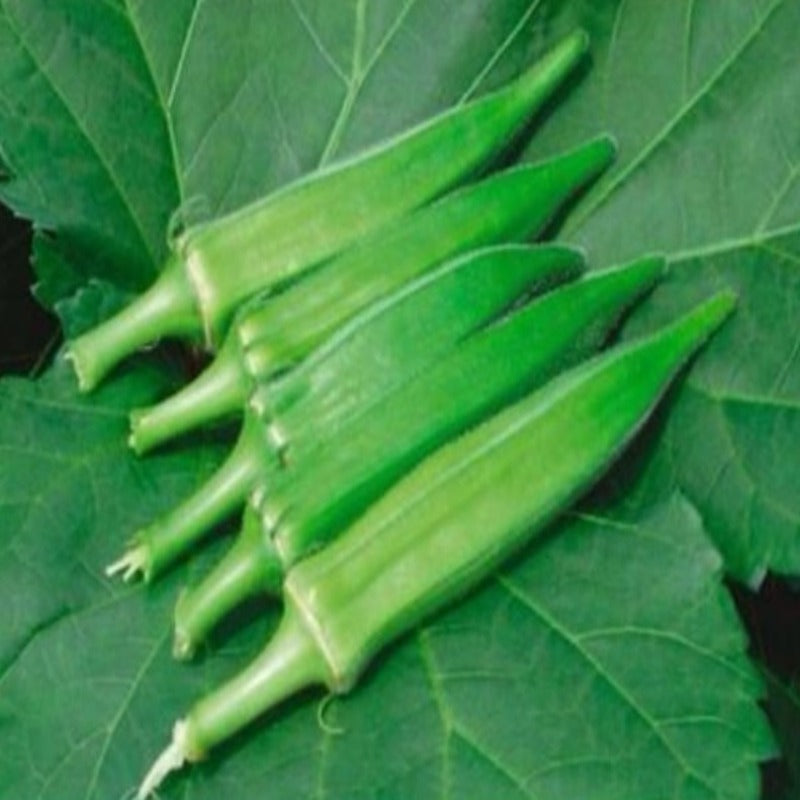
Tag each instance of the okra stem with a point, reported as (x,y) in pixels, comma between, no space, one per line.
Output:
(251,566)
(284,328)
(159,545)
(219,391)
(290,662)
(167,308)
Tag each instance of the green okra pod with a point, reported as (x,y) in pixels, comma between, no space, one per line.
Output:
(215,267)
(281,329)
(300,510)
(444,528)
(386,346)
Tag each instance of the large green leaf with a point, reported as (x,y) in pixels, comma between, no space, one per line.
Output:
(561,680)
(704,99)
(608,663)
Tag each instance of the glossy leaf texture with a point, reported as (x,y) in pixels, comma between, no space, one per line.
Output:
(608,661)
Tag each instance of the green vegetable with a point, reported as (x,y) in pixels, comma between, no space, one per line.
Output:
(300,510)
(445,527)
(281,329)
(370,357)
(335,478)
(217,266)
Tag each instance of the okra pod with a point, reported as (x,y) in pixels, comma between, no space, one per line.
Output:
(215,267)
(384,347)
(444,528)
(302,509)
(279,330)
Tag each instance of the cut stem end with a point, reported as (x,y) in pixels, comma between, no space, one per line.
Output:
(170,760)
(167,308)
(133,563)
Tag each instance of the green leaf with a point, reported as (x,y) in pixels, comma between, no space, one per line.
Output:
(609,662)
(75,84)
(731,442)
(70,478)
(704,101)
(568,636)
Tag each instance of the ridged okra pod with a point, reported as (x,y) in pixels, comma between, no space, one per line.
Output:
(384,347)
(301,510)
(216,266)
(444,528)
(276,331)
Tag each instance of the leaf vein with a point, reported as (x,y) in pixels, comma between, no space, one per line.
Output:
(317,40)
(622,177)
(500,52)
(162,104)
(126,204)
(124,706)
(607,678)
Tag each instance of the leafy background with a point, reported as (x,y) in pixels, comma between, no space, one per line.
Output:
(610,661)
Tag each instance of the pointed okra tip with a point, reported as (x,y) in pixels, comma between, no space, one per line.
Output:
(651,266)
(608,145)
(576,43)
(714,311)
(698,324)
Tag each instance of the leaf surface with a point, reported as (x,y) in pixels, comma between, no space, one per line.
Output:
(567,636)
(608,662)
(704,101)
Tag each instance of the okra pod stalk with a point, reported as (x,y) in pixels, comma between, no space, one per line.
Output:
(281,329)
(303,509)
(444,528)
(383,348)
(252,461)
(219,265)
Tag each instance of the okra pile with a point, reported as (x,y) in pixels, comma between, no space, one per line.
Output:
(421,385)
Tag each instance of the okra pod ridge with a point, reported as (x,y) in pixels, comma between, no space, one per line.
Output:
(159,545)
(446,526)
(488,369)
(270,242)
(282,329)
